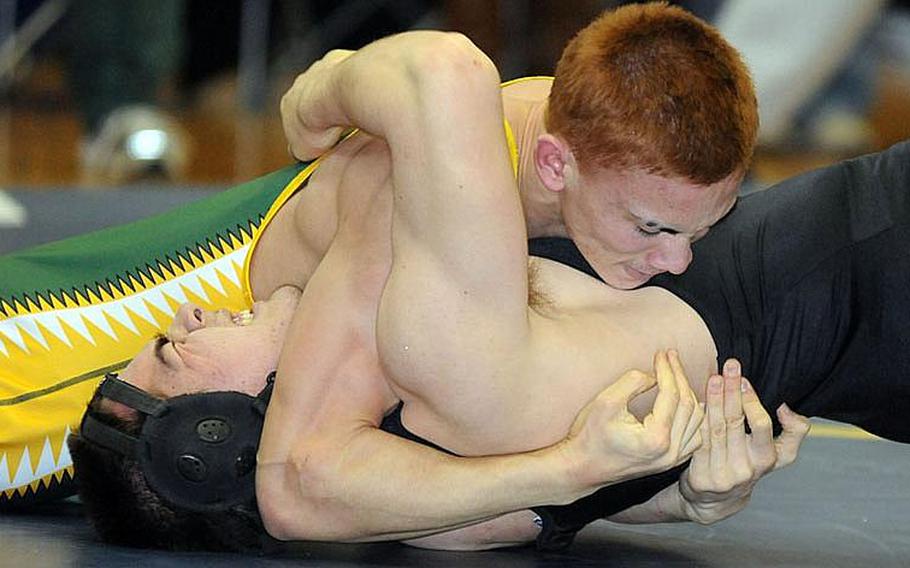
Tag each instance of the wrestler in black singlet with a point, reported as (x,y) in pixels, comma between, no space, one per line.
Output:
(808,285)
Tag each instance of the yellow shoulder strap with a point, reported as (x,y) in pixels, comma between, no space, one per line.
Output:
(513,147)
(510,136)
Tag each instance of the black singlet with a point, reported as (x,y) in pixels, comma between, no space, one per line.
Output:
(808,284)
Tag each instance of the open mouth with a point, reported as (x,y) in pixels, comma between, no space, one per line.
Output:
(242,318)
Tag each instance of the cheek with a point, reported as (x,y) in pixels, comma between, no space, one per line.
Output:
(589,223)
(240,355)
(611,233)
(265,350)
(245,370)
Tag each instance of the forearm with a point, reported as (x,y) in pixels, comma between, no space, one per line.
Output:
(513,529)
(664,507)
(381,487)
(326,472)
(377,86)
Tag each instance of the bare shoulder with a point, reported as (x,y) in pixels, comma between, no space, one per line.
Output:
(300,233)
(366,172)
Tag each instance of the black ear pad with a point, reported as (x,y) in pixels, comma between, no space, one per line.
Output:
(201,452)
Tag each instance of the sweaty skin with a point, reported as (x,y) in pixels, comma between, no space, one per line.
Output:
(301,453)
(629,223)
(325,471)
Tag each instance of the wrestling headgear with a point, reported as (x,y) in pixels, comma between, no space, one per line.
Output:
(197,451)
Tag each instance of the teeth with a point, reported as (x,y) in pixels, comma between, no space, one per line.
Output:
(243,318)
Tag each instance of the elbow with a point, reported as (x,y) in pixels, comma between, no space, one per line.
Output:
(442,52)
(278,506)
(275,525)
(450,62)
(302,503)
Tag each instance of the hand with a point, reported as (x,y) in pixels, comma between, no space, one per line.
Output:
(611,445)
(303,125)
(719,481)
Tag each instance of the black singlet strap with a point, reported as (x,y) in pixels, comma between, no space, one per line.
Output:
(107,436)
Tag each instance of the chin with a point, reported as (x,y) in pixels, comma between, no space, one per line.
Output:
(627,285)
(621,280)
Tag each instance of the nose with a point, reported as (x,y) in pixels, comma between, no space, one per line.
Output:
(673,255)
(189,318)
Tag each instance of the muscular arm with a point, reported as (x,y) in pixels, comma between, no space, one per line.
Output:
(436,100)
(321,450)
(326,471)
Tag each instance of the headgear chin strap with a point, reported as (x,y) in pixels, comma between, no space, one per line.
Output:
(197,451)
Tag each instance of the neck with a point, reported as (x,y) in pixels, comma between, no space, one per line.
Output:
(542,208)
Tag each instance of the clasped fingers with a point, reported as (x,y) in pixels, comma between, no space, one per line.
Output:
(677,416)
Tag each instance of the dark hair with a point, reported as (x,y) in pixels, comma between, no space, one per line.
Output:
(125,511)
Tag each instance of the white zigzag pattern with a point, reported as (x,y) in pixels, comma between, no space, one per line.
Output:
(47,464)
(4,474)
(157,296)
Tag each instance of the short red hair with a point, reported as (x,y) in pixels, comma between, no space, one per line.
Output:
(653,86)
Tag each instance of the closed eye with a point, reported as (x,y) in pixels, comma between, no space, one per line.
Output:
(647,232)
(160,341)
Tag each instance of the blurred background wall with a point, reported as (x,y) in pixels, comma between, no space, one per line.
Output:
(101,93)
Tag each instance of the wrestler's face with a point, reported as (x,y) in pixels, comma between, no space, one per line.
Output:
(632,225)
(205,351)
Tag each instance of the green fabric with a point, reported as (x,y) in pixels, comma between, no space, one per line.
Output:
(76,309)
(85,264)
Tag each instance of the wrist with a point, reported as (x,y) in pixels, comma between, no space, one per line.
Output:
(573,471)
(672,505)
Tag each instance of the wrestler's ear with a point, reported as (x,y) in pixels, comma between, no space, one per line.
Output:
(554,162)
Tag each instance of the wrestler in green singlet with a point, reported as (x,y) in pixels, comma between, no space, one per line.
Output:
(76,309)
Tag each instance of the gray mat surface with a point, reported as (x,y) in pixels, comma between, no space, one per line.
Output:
(33,217)
(844,504)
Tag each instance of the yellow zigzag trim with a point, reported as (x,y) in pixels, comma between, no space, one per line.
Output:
(107,323)
(140,278)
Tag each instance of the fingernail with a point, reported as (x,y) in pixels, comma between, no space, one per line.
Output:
(716,383)
(746,385)
(731,367)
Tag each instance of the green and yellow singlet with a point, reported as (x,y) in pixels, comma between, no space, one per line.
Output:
(76,309)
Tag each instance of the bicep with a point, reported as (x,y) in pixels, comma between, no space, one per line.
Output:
(328,368)
(459,240)
(456,197)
